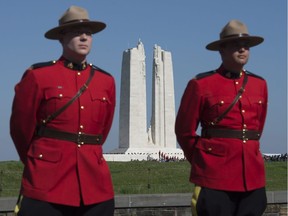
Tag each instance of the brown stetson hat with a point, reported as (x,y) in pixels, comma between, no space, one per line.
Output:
(234,30)
(73,17)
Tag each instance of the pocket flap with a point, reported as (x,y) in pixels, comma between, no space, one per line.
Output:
(211,147)
(100,96)
(45,154)
(56,93)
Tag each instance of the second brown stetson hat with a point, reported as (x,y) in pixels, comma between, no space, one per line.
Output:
(234,30)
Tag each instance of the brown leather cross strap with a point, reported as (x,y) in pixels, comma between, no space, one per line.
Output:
(229,133)
(240,92)
(78,94)
(79,138)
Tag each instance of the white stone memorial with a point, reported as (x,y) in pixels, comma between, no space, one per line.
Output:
(136,140)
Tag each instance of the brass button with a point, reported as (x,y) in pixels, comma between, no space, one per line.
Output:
(40,156)
(60,95)
(210,149)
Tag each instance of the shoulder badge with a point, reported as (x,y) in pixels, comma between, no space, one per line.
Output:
(205,74)
(41,64)
(99,69)
(254,75)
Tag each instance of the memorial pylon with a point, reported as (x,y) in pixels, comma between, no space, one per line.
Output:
(163,102)
(135,138)
(133,108)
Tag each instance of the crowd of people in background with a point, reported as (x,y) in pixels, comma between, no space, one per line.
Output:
(163,157)
(275,157)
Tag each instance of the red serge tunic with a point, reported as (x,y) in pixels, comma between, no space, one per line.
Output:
(223,163)
(60,171)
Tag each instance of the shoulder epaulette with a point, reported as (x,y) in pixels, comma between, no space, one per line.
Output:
(38,65)
(205,74)
(99,69)
(254,75)
(42,64)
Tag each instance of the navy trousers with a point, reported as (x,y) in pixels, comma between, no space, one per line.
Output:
(32,207)
(222,203)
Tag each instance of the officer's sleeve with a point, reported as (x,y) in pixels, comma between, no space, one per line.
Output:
(265,107)
(23,116)
(110,110)
(187,119)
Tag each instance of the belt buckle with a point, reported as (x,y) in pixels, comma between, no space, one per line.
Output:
(80,139)
(244,138)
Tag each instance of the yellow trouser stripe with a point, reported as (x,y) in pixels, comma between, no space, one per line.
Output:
(18,205)
(194,200)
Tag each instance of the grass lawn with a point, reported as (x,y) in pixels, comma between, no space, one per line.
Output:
(142,177)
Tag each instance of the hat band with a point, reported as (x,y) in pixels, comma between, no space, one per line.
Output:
(75,21)
(236,35)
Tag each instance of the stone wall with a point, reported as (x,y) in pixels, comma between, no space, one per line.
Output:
(272,210)
(163,204)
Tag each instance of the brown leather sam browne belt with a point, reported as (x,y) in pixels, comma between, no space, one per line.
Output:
(228,133)
(79,138)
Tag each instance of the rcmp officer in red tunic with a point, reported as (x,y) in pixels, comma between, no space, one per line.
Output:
(61,115)
(230,105)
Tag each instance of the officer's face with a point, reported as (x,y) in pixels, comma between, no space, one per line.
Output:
(235,53)
(77,43)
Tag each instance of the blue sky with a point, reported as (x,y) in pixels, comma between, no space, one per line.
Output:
(182,27)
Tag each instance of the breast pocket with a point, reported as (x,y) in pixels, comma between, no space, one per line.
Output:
(256,104)
(55,99)
(215,106)
(101,105)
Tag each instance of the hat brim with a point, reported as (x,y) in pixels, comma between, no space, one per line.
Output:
(57,32)
(252,41)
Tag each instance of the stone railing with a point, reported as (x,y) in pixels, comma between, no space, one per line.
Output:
(163,204)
